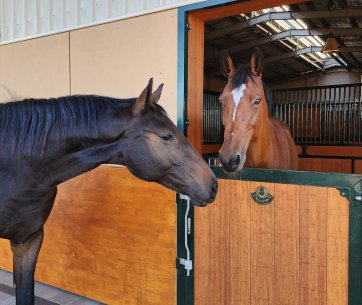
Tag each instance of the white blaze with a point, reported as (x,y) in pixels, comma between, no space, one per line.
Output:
(237,95)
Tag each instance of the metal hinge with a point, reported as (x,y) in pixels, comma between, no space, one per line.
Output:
(188,26)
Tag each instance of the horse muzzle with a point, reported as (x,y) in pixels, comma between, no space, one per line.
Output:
(234,164)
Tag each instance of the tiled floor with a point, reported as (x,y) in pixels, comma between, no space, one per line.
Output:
(45,295)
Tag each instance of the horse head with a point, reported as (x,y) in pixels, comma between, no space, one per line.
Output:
(157,151)
(242,101)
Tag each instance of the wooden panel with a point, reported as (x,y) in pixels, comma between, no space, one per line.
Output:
(358,167)
(286,251)
(195,81)
(238,8)
(213,222)
(262,252)
(336,166)
(290,252)
(313,247)
(310,164)
(111,237)
(240,242)
(337,254)
(211,148)
(325,165)
(353,151)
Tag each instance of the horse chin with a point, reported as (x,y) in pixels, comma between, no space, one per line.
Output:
(194,197)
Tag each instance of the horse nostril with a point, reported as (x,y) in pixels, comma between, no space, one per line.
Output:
(214,188)
(234,162)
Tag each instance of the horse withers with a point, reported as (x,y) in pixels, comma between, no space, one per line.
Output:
(46,142)
(252,137)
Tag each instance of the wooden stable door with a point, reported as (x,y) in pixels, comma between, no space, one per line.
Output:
(293,251)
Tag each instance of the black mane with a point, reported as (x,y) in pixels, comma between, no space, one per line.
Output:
(24,123)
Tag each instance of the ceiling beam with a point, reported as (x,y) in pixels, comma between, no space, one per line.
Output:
(291,34)
(356,12)
(292,54)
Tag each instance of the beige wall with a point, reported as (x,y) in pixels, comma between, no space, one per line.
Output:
(114,59)
(35,68)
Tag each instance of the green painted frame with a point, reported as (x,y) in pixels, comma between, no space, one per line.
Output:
(350,186)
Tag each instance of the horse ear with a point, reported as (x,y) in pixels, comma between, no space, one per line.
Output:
(143,99)
(226,64)
(155,97)
(257,62)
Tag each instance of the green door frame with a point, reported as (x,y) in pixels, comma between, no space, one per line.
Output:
(350,186)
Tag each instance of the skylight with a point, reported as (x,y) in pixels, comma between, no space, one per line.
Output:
(271,27)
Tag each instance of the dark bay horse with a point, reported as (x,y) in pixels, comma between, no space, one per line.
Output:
(252,138)
(46,142)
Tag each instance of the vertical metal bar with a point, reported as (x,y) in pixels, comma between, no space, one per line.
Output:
(359,113)
(335,113)
(342,102)
(315,114)
(320,115)
(289,114)
(293,112)
(307,117)
(298,113)
(311,115)
(329,115)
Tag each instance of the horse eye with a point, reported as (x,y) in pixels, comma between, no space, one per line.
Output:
(167,137)
(257,102)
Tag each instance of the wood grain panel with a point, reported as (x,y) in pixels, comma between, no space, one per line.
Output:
(212,253)
(336,166)
(195,81)
(290,252)
(262,250)
(358,167)
(238,8)
(337,249)
(310,164)
(240,242)
(111,237)
(313,248)
(286,250)
(354,151)
(325,165)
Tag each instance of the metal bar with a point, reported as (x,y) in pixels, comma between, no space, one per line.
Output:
(315,114)
(359,114)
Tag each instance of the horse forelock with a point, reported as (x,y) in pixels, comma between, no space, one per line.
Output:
(25,125)
(240,78)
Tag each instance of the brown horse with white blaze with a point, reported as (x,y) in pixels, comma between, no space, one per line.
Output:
(252,137)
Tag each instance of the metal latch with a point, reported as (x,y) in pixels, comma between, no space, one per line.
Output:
(186,262)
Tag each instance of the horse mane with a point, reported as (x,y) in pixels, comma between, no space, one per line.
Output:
(239,78)
(26,124)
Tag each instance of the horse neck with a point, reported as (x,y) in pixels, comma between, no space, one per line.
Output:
(68,152)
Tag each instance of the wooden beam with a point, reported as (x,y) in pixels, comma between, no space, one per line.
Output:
(239,8)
